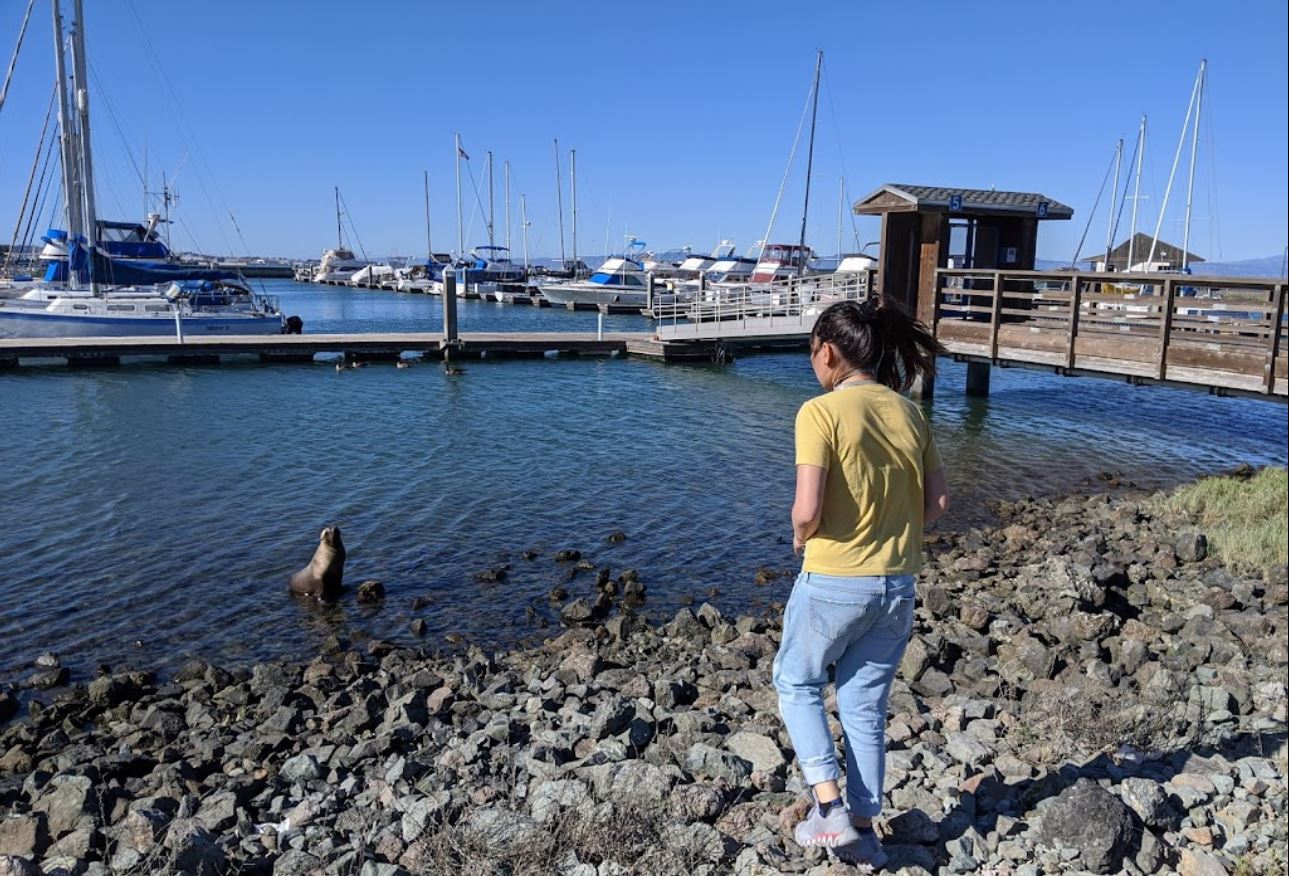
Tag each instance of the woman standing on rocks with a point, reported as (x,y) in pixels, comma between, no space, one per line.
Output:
(869,478)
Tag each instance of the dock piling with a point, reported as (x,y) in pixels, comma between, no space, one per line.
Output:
(978,379)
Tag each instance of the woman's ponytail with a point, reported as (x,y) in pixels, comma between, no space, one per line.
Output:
(880,338)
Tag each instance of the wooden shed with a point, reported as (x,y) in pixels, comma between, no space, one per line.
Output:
(921,224)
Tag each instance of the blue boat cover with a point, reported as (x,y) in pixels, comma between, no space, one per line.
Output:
(120,272)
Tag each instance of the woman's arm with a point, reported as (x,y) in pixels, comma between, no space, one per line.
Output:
(935,496)
(808,506)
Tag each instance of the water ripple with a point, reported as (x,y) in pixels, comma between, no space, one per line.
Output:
(155,513)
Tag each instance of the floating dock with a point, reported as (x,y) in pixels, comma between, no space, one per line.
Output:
(106,352)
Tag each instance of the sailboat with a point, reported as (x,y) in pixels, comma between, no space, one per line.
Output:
(107,297)
(339,264)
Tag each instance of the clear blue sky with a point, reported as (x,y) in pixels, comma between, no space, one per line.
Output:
(683,115)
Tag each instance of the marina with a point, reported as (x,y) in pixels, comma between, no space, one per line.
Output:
(1016,441)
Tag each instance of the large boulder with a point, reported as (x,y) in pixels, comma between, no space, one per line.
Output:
(1089,818)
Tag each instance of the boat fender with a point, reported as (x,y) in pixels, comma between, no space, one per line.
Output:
(294,326)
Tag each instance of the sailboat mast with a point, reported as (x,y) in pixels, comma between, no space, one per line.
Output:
(506,167)
(523,219)
(841,208)
(340,242)
(1172,174)
(83,113)
(429,241)
(460,227)
(1136,192)
(810,159)
(491,236)
(1190,183)
(1114,196)
(559,203)
(572,171)
(67,136)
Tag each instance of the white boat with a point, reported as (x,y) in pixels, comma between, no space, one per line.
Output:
(374,276)
(196,308)
(781,261)
(620,281)
(337,266)
(424,277)
(107,292)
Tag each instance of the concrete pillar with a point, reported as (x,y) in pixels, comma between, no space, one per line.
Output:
(978,379)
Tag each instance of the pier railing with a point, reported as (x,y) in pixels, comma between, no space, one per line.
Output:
(1226,331)
(784,307)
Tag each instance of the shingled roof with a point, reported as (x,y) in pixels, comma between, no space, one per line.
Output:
(899,196)
(1164,252)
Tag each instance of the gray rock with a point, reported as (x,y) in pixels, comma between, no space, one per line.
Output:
(64,802)
(1191,546)
(296,862)
(218,811)
(1197,862)
(194,849)
(759,750)
(611,717)
(302,768)
(1090,819)
(23,836)
(423,813)
(12,865)
(705,761)
(913,826)
(965,748)
(142,828)
(696,842)
(1147,798)
(549,798)
(632,781)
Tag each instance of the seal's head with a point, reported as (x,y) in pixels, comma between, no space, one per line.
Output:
(330,536)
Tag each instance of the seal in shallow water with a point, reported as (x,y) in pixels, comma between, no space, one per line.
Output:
(323,576)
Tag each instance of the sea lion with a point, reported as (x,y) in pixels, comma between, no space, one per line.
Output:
(325,573)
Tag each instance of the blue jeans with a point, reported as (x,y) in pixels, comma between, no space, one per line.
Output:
(862,625)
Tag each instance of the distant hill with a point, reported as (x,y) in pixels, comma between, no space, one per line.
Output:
(1271,266)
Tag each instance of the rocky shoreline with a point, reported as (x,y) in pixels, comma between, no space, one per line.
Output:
(1086,690)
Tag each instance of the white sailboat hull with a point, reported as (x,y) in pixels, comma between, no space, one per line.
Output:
(37,323)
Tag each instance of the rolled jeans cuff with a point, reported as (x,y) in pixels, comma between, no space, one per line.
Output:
(819,769)
(864,807)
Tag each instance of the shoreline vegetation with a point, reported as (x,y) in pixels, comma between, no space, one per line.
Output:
(1094,684)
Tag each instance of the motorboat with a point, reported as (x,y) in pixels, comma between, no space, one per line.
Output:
(337,266)
(621,281)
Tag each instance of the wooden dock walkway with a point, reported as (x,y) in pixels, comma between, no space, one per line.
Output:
(1223,334)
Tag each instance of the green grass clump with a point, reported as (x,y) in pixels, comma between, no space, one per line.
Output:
(1246,519)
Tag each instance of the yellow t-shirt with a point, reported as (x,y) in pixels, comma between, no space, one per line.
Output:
(876,446)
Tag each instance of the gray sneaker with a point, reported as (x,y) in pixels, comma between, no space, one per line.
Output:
(867,849)
(827,831)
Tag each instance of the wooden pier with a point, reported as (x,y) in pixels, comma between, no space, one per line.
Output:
(1226,335)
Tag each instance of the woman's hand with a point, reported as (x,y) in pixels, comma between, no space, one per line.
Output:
(798,546)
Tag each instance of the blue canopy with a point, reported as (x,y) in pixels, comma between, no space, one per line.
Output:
(122,272)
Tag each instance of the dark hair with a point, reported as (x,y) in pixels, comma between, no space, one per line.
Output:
(878,337)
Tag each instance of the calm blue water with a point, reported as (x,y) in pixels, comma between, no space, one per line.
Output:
(154,513)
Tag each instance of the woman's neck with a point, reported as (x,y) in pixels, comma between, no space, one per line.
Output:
(852,378)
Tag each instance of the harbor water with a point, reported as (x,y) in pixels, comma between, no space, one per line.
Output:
(154,513)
